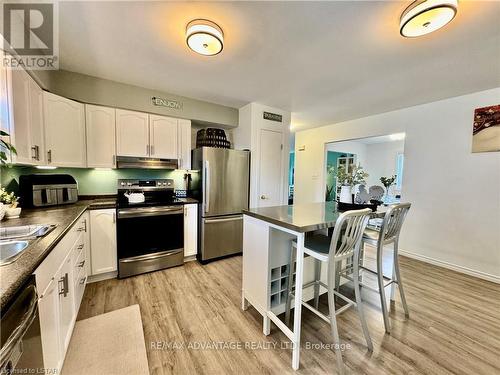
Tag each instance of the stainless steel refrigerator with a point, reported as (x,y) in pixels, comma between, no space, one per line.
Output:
(223,190)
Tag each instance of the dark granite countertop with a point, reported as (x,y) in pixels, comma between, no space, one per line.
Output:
(305,217)
(13,276)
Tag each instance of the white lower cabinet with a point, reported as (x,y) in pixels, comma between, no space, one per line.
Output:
(59,297)
(190,229)
(49,326)
(103,241)
(67,313)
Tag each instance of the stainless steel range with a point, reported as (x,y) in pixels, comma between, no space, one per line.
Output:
(149,228)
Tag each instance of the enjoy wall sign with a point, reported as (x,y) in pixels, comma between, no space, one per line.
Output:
(162,102)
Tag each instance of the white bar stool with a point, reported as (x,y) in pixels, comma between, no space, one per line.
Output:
(345,243)
(387,233)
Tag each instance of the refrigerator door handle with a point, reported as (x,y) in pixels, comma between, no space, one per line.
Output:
(231,218)
(207,186)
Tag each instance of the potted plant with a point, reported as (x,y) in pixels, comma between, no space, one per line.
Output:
(387,182)
(350,179)
(5,148)
(9,202)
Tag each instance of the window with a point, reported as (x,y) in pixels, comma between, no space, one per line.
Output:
(399,170)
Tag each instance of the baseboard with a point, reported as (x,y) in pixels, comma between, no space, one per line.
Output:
(101,277)
(189,258)
(451,266)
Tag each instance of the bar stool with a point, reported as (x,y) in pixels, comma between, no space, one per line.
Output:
(345,243)
(387,233)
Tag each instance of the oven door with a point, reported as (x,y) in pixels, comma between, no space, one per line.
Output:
(149,239)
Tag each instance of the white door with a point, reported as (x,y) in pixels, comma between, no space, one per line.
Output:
(48,309)
(132,133)
(101,143)
(190,229)
(270,181)
(184,144)
(20,120)
(103,241)
(66,303)
(163,137)
(37,123)
(64,131)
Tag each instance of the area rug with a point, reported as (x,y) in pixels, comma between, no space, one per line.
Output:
(111,343)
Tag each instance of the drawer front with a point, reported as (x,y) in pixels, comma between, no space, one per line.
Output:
(78,247)
(221,236)
(79,265)
(80,283)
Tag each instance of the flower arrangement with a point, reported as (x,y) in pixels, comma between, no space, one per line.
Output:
(7,198)
(357,176)
(388,181)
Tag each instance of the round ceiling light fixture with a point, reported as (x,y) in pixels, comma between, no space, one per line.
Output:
(425,16)
(204,37)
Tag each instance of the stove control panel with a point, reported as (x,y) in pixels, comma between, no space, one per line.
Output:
(153,184)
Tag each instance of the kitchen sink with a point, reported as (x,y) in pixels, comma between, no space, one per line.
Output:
(25,231)
(10,250)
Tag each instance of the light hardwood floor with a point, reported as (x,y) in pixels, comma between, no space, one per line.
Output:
(454,325)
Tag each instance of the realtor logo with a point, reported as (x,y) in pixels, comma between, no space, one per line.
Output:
(29,30)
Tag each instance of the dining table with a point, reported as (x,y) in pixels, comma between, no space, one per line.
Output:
(267,236)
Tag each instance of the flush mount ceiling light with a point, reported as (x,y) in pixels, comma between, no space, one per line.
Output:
(204,37)
(425,16)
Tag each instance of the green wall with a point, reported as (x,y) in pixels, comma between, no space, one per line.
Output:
(94,181)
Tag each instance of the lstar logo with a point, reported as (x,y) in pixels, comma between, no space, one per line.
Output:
(30,35)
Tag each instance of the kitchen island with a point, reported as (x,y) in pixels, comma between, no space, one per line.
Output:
(267,236)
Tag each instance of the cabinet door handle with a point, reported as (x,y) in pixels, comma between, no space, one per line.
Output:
(147,149)
(65,283)
(152,149)
(114,217)
(80,246)
(81,264)
(82,280)
(49,156)
(37,152)
(85,225)
(33,156)
(114,160)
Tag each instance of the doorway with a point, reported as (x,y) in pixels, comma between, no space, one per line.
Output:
(382,157)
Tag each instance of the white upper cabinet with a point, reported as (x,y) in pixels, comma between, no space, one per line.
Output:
(132,133)
(37,123)
(163,137)
(26,120)
(64,131)
(184,144)
(101,134)
(20,120)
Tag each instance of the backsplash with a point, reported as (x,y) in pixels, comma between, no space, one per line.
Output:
(94,181)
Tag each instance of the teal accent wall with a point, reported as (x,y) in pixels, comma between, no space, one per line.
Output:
(331,160)
(94,181)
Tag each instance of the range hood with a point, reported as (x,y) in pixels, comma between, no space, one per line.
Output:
(145,163)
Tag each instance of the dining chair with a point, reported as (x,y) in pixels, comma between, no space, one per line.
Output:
(344,243)
(379,236)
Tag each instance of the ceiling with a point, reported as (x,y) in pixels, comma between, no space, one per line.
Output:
(324,61)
